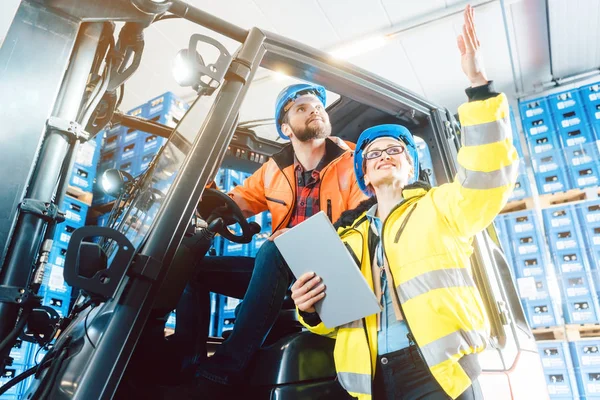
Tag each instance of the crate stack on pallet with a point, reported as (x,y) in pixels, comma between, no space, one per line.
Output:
(552,241)
(132,150)
(54,292)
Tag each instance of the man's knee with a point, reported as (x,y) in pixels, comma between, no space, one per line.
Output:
(269,250)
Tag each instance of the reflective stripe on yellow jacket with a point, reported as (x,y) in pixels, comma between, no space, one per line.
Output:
(428,255)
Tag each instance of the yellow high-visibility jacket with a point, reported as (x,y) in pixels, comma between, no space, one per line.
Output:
(427,241)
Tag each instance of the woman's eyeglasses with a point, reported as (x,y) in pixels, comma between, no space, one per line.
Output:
(392,151)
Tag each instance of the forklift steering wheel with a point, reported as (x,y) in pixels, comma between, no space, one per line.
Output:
(216,204)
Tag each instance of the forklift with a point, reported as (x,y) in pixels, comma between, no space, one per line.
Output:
(62,81)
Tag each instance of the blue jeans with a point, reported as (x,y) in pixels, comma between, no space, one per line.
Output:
(262,282)
(403,375)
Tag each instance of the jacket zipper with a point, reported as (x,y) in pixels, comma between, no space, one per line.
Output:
(276,200)
(329,212)
(364,319)
(410,335)
(293,202)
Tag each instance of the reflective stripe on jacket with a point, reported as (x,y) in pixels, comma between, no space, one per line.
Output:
(427,240)
(273,186)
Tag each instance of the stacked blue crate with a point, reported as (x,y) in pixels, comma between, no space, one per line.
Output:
(86,163)
(131,150)
(586,360)
(558,369)
(590,96)
(550,172)
(529,268)
(589,218)
(566,245)
(11,372)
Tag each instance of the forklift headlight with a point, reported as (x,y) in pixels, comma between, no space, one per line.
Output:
(185,68)
(113,181)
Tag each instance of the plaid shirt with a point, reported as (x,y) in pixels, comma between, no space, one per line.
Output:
(308,185)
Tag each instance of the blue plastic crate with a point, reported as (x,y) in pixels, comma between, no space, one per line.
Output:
(582,154)
(139,111)
(565,101)
(543,143)
(107,160)
(585,353)
(150,144)
(588,380)
(552,182)
(555,354)
(580,310)
(585,175)
(540,313)
(534,108)
(577,284)
(590,96)
(145,161)
(541,287)
(567,238)
(538,126)
(131,166)
(561,383)
(571,120)
(548,161)
(57,255)
(54,281)
(227,179)
(235,249)
(521,222)
(560,218)
(570,261)
(76,211)
(132,135)
(58,301)
(128,152)
(63,232)
(10,373)
(168,107)
(112,140)
(576,135)
(20,352)
(589,212)
(88,153)
(527,244)
(522,188)
(83,177)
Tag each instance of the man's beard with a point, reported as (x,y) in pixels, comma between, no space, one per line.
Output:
(310,132)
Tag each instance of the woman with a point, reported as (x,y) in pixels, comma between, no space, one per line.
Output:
(424,344)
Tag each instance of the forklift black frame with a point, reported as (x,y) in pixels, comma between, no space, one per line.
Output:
(63,36)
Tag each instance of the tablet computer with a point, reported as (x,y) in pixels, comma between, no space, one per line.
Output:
(314,245)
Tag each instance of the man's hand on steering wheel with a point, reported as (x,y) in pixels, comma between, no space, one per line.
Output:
(216,204)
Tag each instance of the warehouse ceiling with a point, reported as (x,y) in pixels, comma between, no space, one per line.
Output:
(412,43)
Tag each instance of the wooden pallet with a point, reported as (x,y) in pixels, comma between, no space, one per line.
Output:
(79,194)
(519,205)
(569,333)
(553,199)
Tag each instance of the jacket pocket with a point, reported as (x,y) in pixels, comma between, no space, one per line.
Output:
(276,200)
